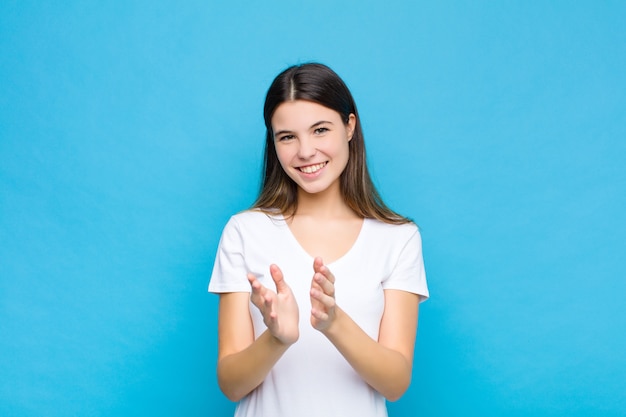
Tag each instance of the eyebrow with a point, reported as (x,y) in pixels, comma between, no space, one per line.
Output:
(313,126)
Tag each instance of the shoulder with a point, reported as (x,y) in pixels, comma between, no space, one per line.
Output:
(254,224)
(393,232)
(253,217)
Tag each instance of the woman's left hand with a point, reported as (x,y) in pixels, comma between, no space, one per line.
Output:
(322,296)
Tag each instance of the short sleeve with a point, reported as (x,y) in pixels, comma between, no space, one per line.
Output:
(408,273)
(229,270)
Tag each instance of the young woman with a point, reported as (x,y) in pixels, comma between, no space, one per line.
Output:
(319,282)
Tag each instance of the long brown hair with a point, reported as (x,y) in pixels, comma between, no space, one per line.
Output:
(319,84)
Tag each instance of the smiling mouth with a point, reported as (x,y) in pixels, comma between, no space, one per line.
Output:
(311,169)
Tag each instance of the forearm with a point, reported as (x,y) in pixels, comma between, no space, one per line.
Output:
(384,369)
(240,373)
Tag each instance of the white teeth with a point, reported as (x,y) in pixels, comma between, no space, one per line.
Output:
(312,168)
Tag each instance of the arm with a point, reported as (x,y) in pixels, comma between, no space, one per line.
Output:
(243,362)
(384,364)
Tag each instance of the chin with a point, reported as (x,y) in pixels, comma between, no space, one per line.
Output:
(312,191)
(316,189)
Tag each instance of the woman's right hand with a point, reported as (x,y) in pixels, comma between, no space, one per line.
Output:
(279,309)
(244,360)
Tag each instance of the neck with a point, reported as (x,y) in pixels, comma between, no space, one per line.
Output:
(326,204)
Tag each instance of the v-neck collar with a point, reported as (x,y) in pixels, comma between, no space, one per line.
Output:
(304,252)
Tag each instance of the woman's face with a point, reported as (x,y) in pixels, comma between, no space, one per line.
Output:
(311,144)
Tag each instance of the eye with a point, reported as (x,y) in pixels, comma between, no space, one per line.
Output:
(285,138)
(320,130)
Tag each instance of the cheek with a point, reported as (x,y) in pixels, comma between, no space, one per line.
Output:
(345,151)
(284,157)
(280,153)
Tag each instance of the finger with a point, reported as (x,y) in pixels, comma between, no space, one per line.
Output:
(279,280)
(315,287)
(255,284)
(317,264)
(319,314)
(326,272)
(258,291)
(268,300)
(326,300)
(324,284)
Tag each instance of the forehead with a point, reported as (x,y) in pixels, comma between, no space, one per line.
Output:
(302,114)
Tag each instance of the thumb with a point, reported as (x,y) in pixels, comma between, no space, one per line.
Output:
(277,276)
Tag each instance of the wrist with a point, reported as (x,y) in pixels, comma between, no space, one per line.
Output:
(334,326)
(282,343)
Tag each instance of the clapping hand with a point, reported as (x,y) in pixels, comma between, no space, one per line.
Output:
(322,296)
(279,309)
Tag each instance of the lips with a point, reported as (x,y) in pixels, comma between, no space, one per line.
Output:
(312,169)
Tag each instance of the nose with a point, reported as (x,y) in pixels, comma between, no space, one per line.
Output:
(307,149)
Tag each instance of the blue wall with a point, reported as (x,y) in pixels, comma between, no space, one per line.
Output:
(131,131)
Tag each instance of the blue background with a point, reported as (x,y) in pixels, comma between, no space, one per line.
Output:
(131,131)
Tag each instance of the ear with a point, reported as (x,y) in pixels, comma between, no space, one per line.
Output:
(350,126)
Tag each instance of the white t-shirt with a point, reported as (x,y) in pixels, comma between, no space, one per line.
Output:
(312,378)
